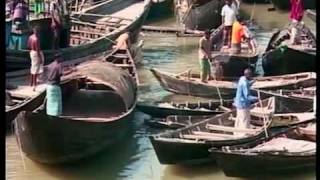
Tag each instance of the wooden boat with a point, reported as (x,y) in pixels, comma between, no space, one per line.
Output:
(233,64)
(90,127)
(273,155)
(198,15)
(281,58)
(93,31)
(285,5)
(19,103)
(190,145)
(164,109)
(312,14)
(190,84)
(298,113)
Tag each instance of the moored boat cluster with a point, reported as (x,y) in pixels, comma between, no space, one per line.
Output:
(84,91)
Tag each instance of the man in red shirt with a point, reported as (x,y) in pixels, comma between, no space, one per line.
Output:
(36,56)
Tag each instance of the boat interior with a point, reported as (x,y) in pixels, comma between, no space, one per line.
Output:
(83,99)
(221,127)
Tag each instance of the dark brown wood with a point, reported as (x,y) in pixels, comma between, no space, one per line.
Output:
(226,88)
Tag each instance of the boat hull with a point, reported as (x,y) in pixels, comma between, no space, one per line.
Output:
(246,165)
(170,152)
(54,140)
(288,61)
(187,87)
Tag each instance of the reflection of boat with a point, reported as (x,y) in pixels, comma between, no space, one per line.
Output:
(285,5)
(164,109)
(286,152)
(281,58)
(190,84)
(92,32)
(86,130)
(199,14)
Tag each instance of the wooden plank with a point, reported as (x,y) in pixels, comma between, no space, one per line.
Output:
(198,137)
(231,129)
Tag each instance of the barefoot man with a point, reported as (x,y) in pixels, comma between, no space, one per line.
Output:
(36,56)
(205,44)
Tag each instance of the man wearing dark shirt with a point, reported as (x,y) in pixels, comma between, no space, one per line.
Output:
(54,96)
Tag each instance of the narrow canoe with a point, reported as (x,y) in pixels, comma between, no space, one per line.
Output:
(190,84)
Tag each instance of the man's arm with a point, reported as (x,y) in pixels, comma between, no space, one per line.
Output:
(246,94)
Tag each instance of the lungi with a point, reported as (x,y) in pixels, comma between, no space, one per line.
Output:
(36,66)
(54,100)
(227,31)
(242,120)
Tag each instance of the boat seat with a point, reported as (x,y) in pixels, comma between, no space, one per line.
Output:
(231,129)
(122,56)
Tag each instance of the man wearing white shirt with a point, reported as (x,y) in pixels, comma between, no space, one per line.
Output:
(228,17)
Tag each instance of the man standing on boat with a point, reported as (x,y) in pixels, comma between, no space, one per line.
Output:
(228,17)
(205,44)
(54,96)
(296,15)
(36,56)
(243,100)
